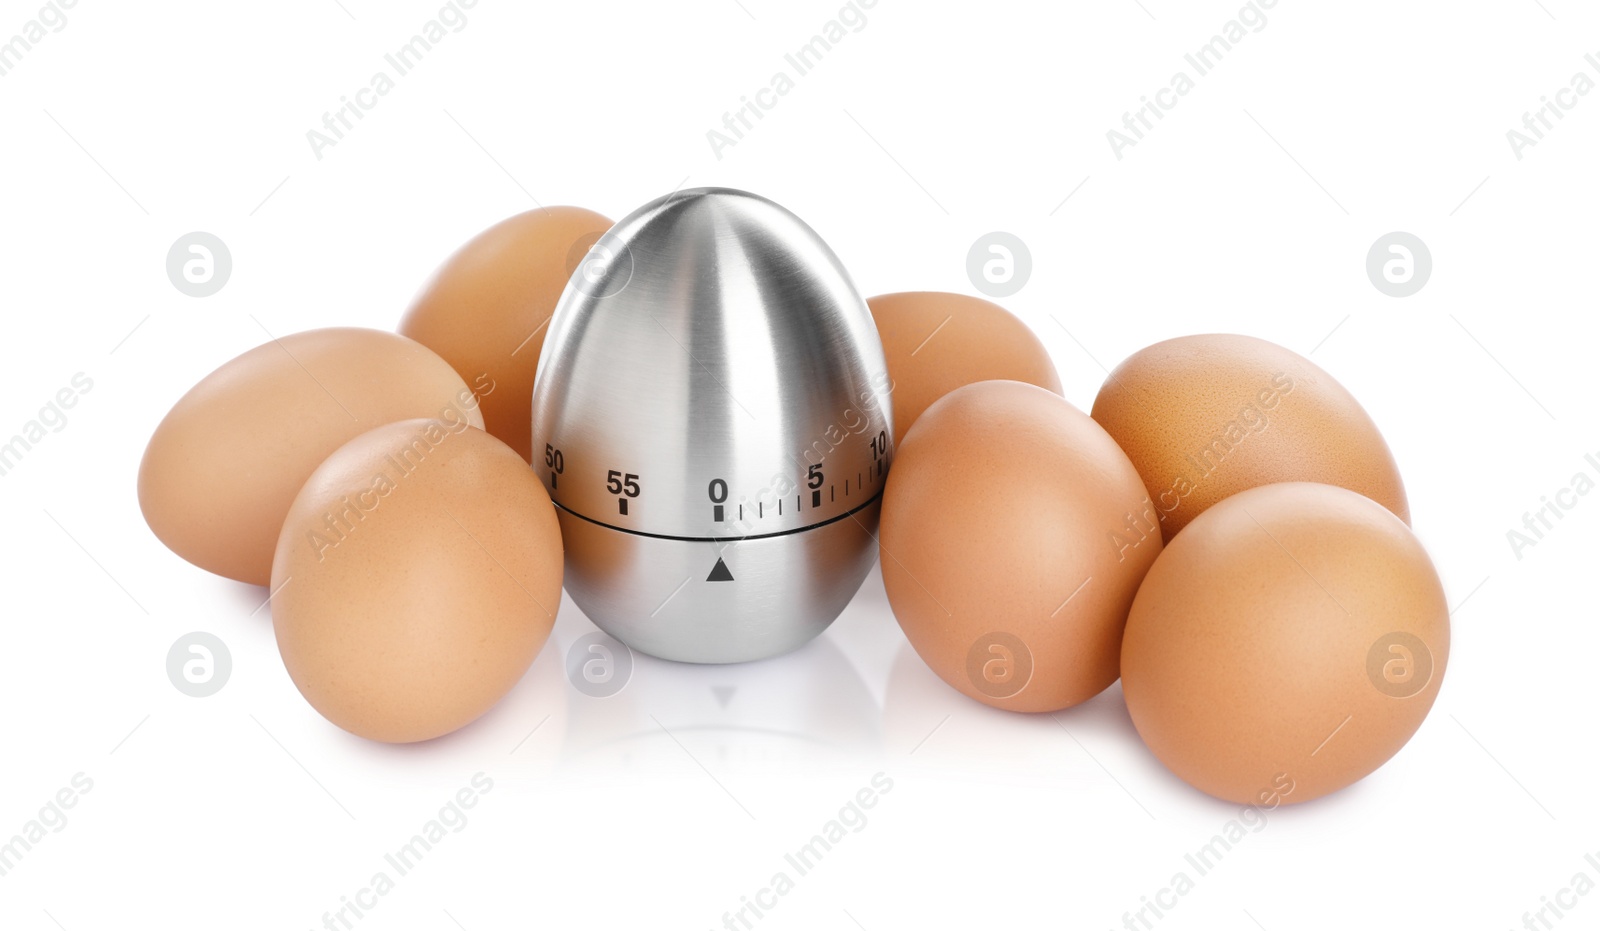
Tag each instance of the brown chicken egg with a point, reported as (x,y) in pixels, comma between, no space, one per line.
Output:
(1014,535)
(222,468)
(417,576)
(1286,644)
(486,310)
(1204,417)
(936,342)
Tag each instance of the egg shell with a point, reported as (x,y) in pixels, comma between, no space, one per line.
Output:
(417,576)
(935,342)
(487,309)
(224,465)
(1205,417)
(1286,644)
(1014,535)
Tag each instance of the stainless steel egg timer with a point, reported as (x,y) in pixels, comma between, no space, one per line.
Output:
(711,418)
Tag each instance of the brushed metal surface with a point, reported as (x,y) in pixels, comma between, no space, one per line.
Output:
(711,417)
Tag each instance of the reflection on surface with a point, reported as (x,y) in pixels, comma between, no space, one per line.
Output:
(941,728)
(804,707)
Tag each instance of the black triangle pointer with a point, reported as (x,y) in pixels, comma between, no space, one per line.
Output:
(720,573)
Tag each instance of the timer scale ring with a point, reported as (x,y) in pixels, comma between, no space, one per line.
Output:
(712,411)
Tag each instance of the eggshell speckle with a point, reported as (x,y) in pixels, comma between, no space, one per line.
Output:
(417,576)
(1014,535)
(1204,417)
(1286,644)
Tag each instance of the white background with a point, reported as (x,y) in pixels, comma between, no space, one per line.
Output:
(1250,208)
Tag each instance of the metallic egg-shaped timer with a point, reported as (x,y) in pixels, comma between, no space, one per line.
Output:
(711,418)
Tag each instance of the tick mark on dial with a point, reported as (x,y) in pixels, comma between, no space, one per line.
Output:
(727,539)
